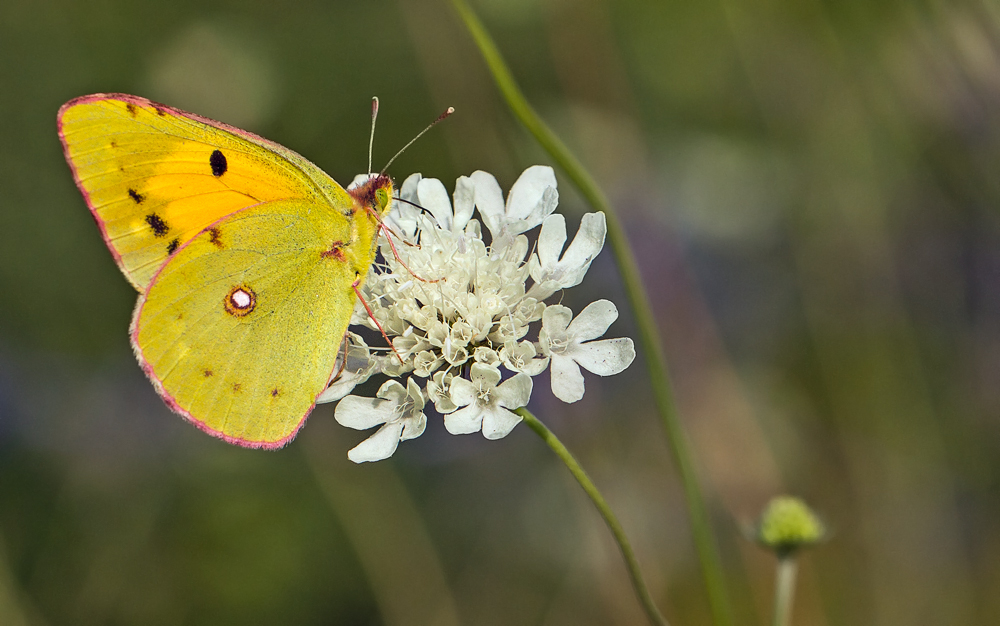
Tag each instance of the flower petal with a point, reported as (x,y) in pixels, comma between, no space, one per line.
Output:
(358,368)
(534,367)
(498,422)
(462,392)
(379,446)
(363,413)
(567,379)
(359,179)
(344,385)
(434,197)
(465,202)
(586,245)
(403,215)
(485,374)
(413,427)
(545,207)
(392,391)
(542,290)
(606,357)
(489,200)
(556,318)
(464,421)
(514,392)
(593,321)
(444,404)
(529,190)
(551,239)
(414,394)
(408,190)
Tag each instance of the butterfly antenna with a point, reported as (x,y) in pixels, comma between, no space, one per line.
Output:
(441,117)
(371,138)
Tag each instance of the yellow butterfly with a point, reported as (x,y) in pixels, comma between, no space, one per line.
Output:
(246,257)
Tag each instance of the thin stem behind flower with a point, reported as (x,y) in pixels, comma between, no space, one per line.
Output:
(784,590)
(631,563)
(648,334)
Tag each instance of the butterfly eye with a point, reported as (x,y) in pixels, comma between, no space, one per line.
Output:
(382,199)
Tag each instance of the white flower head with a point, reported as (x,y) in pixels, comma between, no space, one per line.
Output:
(459,310)
(568,342)
(400,411)
(487,404)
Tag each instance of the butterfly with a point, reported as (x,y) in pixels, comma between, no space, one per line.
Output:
(246,258)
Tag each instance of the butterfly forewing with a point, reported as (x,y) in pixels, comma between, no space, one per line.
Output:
(154,176)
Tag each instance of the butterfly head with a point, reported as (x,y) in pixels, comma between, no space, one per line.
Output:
(375,194)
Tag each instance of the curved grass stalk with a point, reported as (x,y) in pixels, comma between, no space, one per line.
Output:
(649,337)
(631,563)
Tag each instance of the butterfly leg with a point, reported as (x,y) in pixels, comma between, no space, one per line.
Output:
(343,361)
(388,236)
(371,315)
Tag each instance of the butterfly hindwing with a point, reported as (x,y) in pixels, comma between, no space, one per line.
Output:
(155,176)
(240,329)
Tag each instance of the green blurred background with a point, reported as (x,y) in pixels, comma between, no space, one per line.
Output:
(812,190)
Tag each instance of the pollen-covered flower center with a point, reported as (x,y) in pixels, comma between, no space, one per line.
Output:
(405,408)
(559,343)
(485,394)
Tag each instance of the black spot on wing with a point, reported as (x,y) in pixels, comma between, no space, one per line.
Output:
(172,247)
(215,237)
(135,195)
(218,163)
(156,222)
(130,108)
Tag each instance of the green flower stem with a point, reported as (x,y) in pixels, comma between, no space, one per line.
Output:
(631,563)
(649,338)
(784,590)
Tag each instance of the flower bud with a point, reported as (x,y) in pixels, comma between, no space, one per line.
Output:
(786,525)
